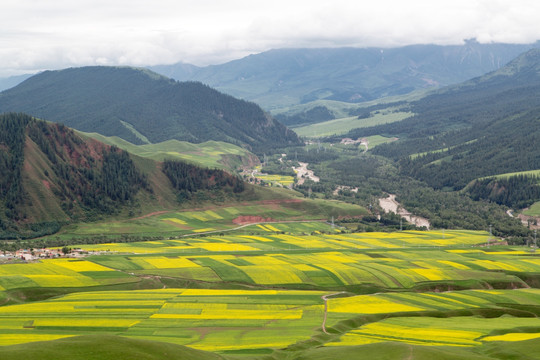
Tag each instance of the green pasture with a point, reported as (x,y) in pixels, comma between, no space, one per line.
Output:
(533,210)
(211,154)
(344,125)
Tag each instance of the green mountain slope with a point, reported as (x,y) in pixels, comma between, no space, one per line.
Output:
(484,127)
(51,175)
(141,106)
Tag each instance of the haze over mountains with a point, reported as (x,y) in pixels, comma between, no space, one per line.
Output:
(284,77)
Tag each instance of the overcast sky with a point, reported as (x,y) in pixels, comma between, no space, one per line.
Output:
(51,34)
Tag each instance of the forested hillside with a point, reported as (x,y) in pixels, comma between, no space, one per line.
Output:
(51,176)
(487,126)
(143,107)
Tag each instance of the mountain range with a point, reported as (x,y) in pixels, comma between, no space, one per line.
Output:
(141,106)
(484,127)
(283,77)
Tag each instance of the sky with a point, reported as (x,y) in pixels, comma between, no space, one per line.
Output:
(40,35)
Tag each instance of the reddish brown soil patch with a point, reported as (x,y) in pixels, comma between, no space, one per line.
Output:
(46,184)
(251,219)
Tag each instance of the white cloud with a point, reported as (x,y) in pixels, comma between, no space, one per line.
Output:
(37,34)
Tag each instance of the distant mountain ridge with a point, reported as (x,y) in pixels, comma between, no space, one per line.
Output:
(284,77)
(141,106)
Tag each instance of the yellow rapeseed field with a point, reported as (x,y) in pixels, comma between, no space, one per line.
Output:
(431,274)
(175,220)
(512,337)
(225,247)
(257,238)
(263,227)
(169,263)
(78,265)
(14,339)
(454,264)
(367,304)
(425,336)
(203,230)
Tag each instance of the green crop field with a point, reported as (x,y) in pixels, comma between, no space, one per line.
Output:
(217,218)
(289,290)
(344,125)
(533,210)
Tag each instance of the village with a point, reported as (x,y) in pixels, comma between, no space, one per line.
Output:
(28,255)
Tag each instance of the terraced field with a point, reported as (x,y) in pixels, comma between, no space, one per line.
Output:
(218,218)
(262,292)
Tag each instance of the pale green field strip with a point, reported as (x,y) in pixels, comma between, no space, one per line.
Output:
(344,125)
(414,156)
(209,154)
(533,210)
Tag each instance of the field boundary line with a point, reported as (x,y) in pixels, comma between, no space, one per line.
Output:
(325,298)
(255,223)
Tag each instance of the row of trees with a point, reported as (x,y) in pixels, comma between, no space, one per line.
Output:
(518,191)
(188,179)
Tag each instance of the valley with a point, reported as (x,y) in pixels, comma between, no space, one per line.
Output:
(163,219)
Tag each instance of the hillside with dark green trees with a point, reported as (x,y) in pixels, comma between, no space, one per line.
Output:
(143,107)
(486,126)
(52,176)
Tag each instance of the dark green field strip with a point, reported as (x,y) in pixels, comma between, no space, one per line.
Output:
(225,272)
(330,274)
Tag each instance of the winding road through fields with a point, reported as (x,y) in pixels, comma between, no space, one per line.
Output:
(325,298)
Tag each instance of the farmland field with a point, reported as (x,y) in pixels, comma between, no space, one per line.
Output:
(343,125)
(218,218)
(266,289)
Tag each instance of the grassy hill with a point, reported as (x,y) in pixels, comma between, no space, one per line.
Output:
(115,347)
(110,347)
(143,107)
(213,154)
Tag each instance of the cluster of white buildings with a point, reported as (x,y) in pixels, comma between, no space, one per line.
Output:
(36,254)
